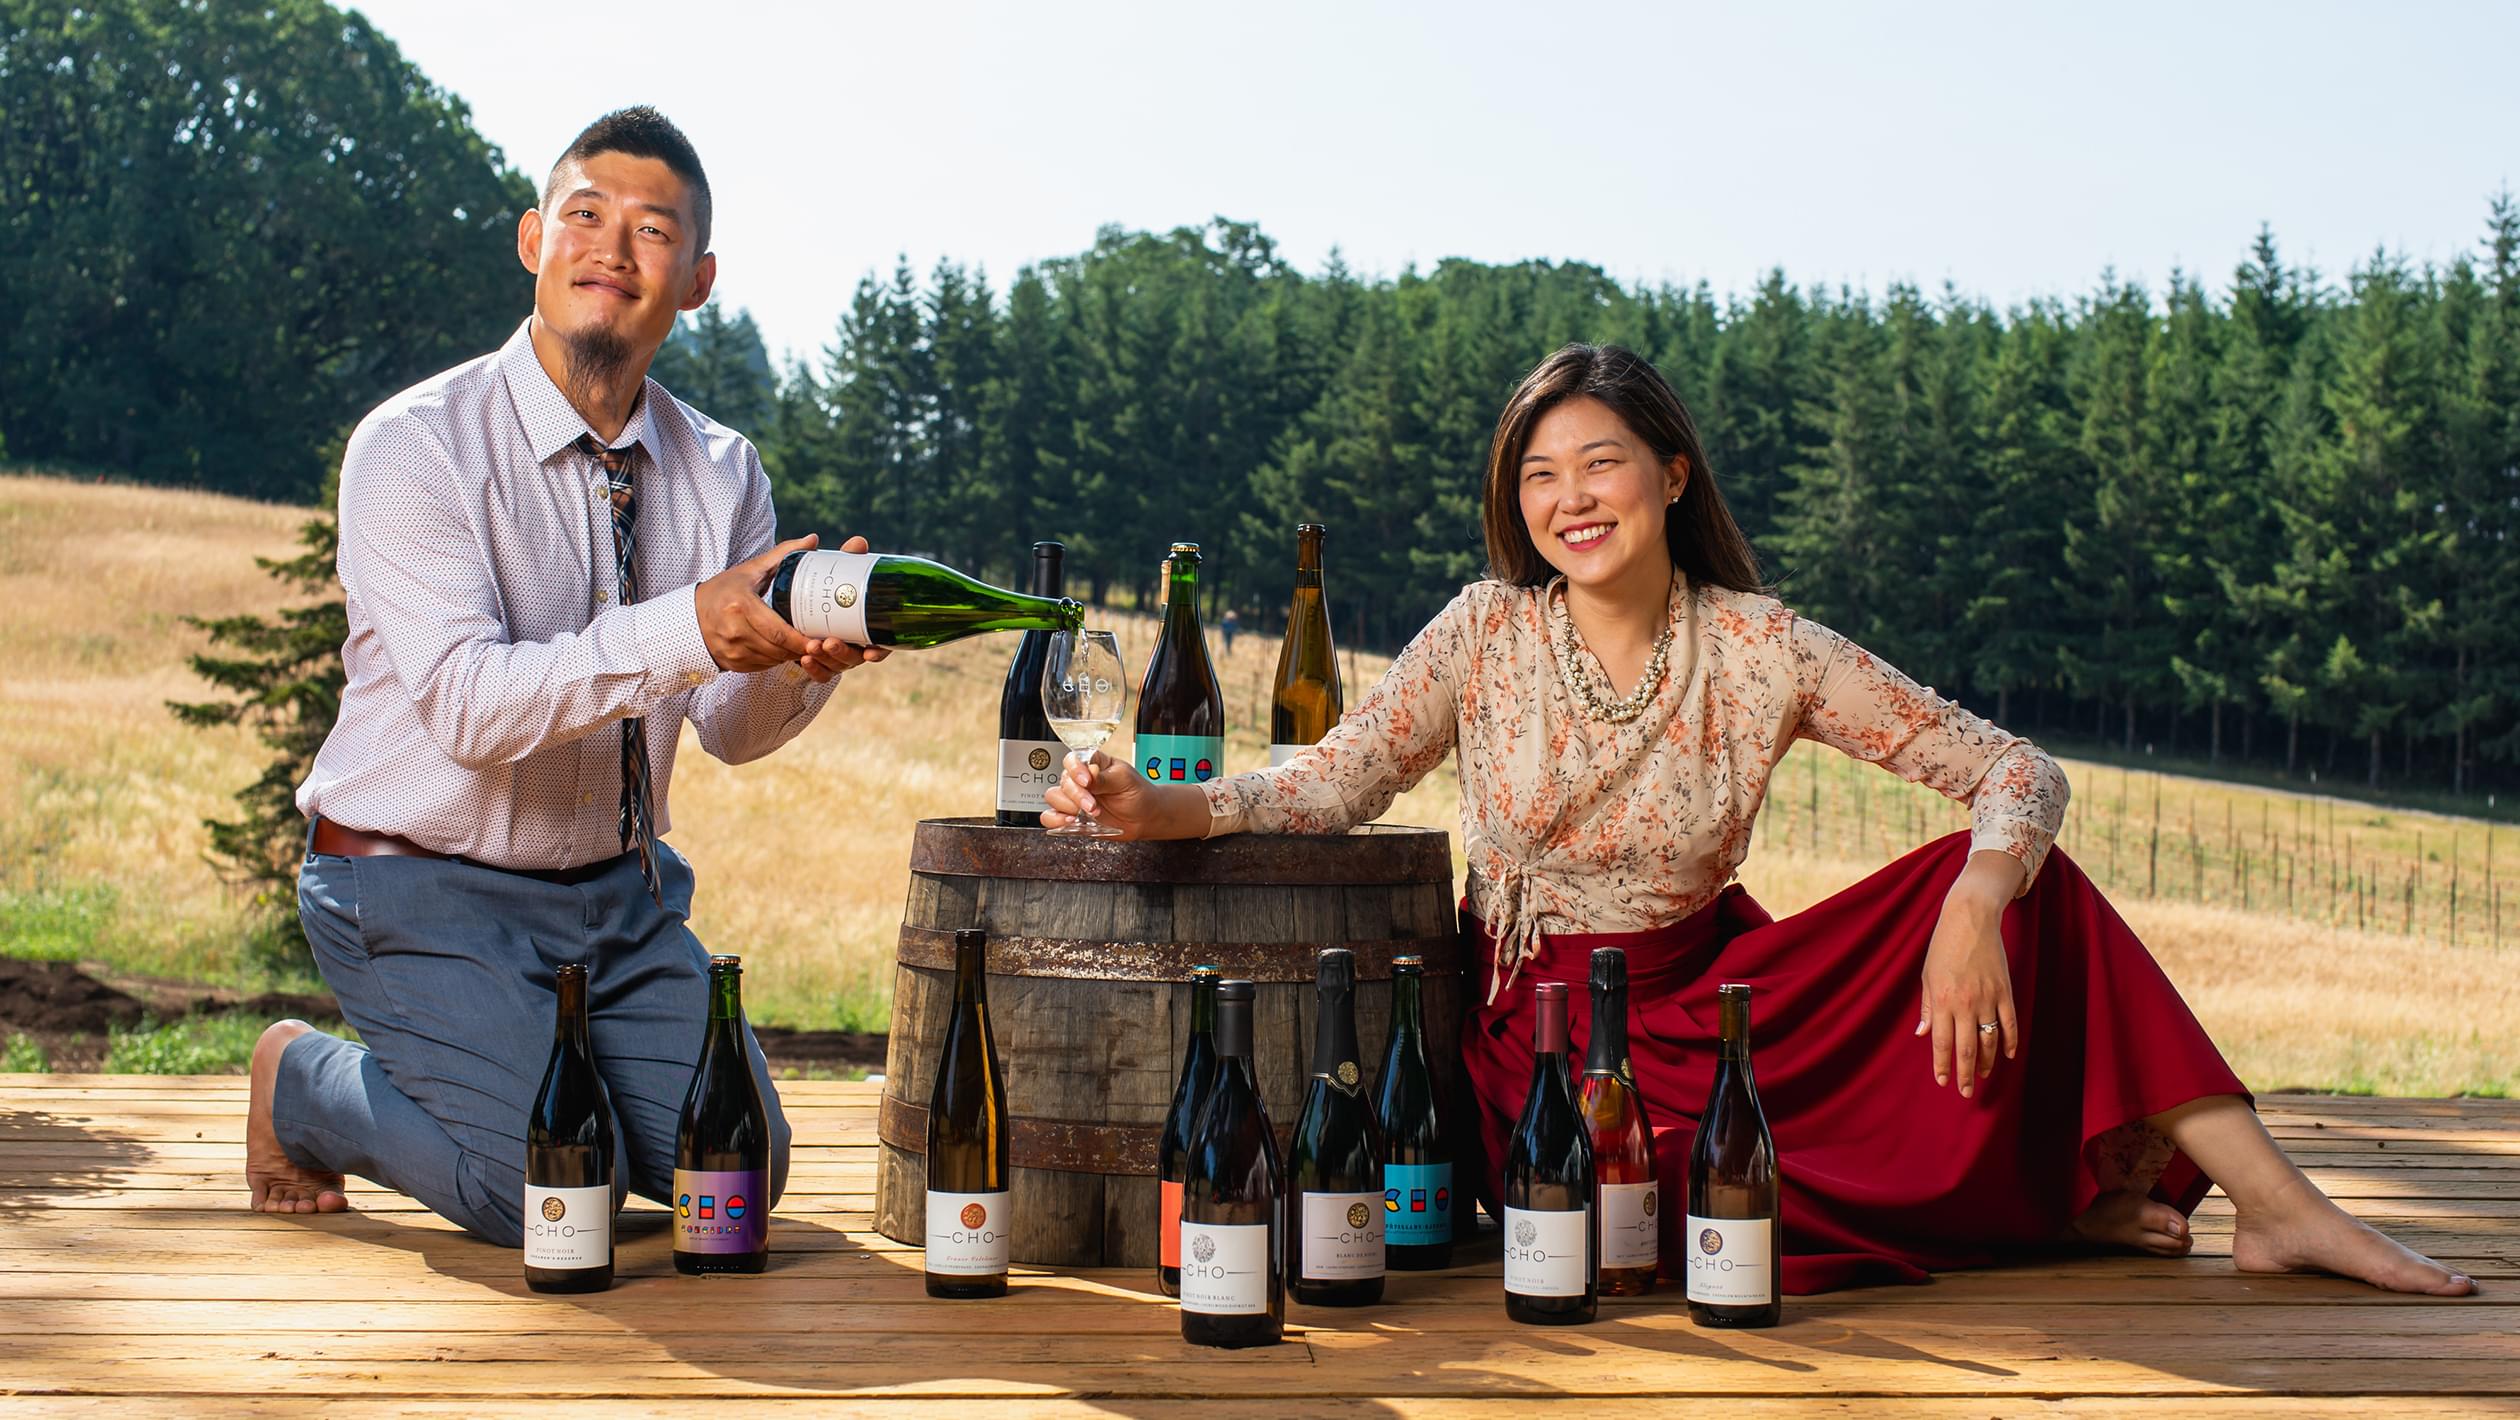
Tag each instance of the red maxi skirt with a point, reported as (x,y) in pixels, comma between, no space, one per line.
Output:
(1886,1174)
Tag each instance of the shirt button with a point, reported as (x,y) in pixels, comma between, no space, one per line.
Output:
(602,596)
(696,677)
(586,798)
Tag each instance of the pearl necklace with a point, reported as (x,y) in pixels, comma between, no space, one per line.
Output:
(1595,696)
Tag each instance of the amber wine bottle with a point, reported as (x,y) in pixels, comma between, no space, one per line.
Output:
(1627,1206)
(1233,1288)
(1733,1238)
(1172,1154)
(883,599)
(1334,1226)
(1181,712)
(1028,753)
(1551,1277)
(722,1150)
(1417,1163)
(1308,699)
(569,1158)
(968,1224)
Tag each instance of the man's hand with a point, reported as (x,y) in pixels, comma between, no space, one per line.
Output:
(744,634)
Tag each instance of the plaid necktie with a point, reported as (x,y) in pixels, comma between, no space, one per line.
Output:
(637,830)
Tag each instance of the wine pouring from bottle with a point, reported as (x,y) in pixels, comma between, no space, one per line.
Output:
(885,599)
(1084,686)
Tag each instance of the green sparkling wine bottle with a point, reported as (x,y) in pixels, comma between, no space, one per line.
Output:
(1308,699)
(883,599)
(1334,1175)
(569,1158)
(1181,711)
(722,1151)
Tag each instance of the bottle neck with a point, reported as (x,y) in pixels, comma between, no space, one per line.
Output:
(1233,1031)
(1548,1036)
(1203,1007)
(1407,1005)
(1607,1052)
(1334,1036)
(570,1023)
(1308,560)
(1047,578)
(1734,1044)
(726,997)
(1181,604)
(971,975)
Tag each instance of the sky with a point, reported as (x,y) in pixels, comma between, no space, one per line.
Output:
(2014,151)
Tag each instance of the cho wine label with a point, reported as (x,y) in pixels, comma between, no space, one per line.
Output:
(1545,1251)
(1026,770)
(1168,1225)
(827,596)
(1225,1268)
(721,1210)
(1417,1204)
(568,1227)
(1631,1225)
(1180,759)
(1343,1236)
(1729,1261)
(967,1233)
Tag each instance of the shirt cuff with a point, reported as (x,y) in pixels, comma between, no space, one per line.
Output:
(1225,808)
(2024,839)
(670,643)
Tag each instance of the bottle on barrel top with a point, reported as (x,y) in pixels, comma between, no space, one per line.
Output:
(1308,699)
(1172,1154)
(1551,1274)
(1028,753)
(969,1227)
(1181,712)
(1627,1207)
(885,599)
(1417,1177)
(1734,1237)
(569,1158)
(1334,1176)
(1233,1288)
(722,1151)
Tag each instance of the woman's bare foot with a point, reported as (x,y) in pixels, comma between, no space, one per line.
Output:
(2124,1219)
(278,1184)
(2305,1232)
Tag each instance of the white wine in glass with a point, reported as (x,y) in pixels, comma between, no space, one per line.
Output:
(1083,687)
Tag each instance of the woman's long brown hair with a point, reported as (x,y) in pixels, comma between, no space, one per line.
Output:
(1706,544)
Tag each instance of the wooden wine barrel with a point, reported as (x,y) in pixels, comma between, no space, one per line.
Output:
(1090,950)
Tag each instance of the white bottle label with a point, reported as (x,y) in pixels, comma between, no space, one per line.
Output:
(827,594)
(1225,1268)
(1729,1261)
(968,1233)
(1026,770)
(1279,754)
(1343,1236)
(1631,1225)
(568,1227)
(1545,1251)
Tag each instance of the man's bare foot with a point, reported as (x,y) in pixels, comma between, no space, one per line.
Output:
(2125,1219)
(2305,1232)
(278,1184)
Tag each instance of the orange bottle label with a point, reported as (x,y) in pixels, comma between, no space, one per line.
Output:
(1168,1246)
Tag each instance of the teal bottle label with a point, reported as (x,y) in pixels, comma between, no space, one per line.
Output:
(1181,759)
(1417,1204)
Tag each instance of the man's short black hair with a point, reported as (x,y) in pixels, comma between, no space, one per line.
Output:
(642,132)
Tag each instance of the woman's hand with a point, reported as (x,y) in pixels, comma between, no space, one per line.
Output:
(1968,984)
(1121,798)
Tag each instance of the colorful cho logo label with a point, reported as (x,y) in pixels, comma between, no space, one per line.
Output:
(1710,1242)
(973,1215)
(1203,1248)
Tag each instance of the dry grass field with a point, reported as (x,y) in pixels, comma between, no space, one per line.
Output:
(803,857)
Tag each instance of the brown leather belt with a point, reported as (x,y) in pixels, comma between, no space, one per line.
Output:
(342,841)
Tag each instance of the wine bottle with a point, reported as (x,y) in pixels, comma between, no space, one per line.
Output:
(1181,712)
(1627,1207)
(1551,1273)
(1334,1168)
(968,1223)
(1172,1153)
(569,1158)
(1028,753)
(1233,1288)
(1417,1164)
(722,1150)
(1734,1238)
(884,599)
(1308,699)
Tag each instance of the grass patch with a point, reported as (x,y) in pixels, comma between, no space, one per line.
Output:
(24,1055)
(198,1045)
(58,924)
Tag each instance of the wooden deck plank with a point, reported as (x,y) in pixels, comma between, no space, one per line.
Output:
(133,1281)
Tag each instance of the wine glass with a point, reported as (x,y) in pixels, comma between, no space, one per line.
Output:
(1083,686)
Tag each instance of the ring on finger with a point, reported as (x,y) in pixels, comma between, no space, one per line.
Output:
(1989,1027)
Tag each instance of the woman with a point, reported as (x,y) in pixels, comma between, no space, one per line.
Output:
(1966,1054)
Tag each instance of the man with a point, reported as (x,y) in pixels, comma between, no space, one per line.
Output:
(550,564)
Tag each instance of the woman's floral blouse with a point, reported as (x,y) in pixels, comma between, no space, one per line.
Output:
(1576,825)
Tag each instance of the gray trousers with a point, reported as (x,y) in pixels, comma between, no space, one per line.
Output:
(446,968)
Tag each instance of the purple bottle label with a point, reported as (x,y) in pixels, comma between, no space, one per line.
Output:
(721,1210)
